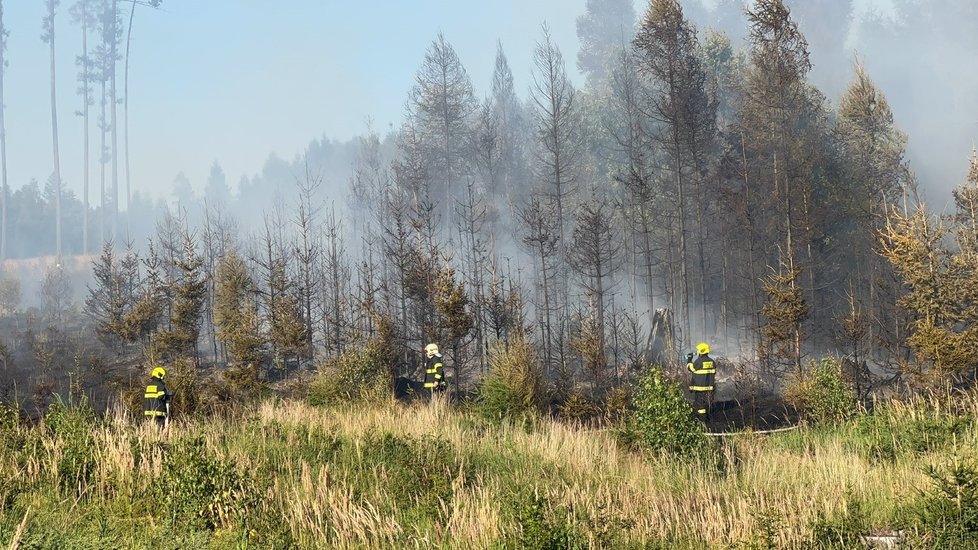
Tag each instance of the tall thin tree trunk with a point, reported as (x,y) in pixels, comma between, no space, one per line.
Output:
(103,237)
(85,101)
(3,143)
(755,307)
(683,259)
(114,124)
(125,114)
(57,155)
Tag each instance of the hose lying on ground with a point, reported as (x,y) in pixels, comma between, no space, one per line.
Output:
(761,432)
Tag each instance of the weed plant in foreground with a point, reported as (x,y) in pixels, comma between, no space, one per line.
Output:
(383,475)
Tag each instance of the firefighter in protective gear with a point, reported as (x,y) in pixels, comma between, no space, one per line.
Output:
(701,383)
(434,370)
(156,404)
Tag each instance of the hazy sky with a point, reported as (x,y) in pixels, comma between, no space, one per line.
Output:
(235,80)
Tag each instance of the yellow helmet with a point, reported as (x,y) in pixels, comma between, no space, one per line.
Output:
(702,348)
(159,372)
(431,349)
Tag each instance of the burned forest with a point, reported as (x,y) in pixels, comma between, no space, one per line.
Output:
(780,186)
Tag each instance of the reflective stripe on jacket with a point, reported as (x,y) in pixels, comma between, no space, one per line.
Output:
(433,372)
(704,373)
(155,398)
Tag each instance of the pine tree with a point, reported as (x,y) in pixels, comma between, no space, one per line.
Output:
(442,106)
(686,114)
(48,37)
(558,142)
(84,14)
(595,255)
(455,320)
(937,293)
(877,177)
(602,30)
(235,310)
(541,237)
(187,293)
(781,126)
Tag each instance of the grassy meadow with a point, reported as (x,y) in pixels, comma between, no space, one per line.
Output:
(286,474)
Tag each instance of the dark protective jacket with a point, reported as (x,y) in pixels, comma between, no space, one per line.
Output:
(156,397)
(704,373)
(434,373)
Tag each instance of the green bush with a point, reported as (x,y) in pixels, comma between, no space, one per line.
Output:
(199,488)
(71,425)
(10,432)
(362,374)
(539,524)
(881,436)
(843,531)
(662,420)
(416,473)
(946,516)
(822,393)
(577,407)
(514,385)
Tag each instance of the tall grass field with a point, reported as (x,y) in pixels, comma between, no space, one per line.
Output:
(286,474)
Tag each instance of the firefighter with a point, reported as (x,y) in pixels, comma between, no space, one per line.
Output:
(701,382)
(434,370)
(157,398)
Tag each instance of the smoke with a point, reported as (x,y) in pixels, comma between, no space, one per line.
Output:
(919,52)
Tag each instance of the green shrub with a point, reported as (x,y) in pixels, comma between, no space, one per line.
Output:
(946,516)
(577,407)
(71,426)
(822,393)
(514,385)
(361,374)
(415,473)
(770,522)
(10,430)
(539,524)
(842,531)
(200,488)
(882,436)
(662,419)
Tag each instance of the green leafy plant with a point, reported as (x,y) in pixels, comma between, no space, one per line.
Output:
(539,524)
(514,385)
(662,420)
(822,393)
(885,436)
(71,426)
(946,516)
(201,488)
(361,374)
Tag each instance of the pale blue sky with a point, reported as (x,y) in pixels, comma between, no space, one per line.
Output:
(235,80)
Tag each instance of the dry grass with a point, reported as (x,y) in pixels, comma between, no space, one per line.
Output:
(584,476)
(686,498)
